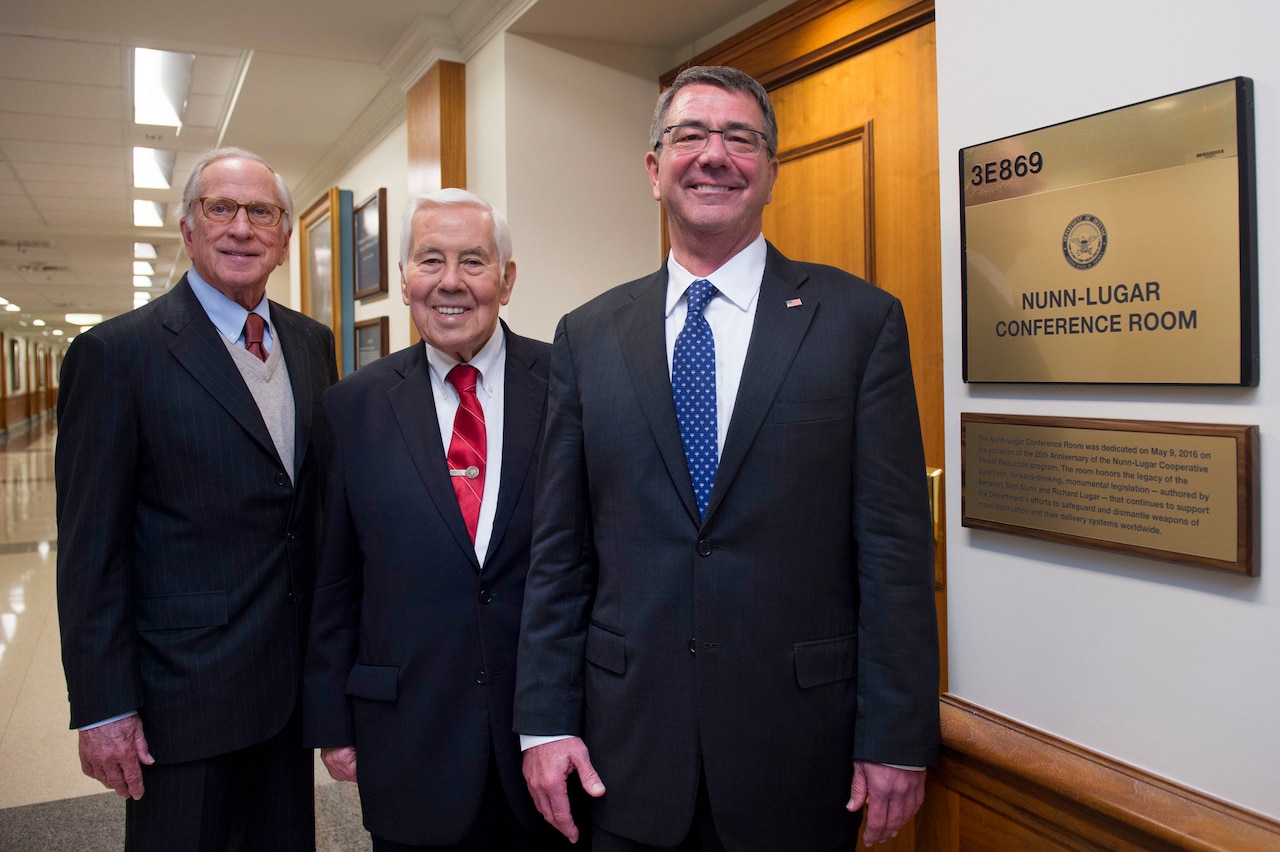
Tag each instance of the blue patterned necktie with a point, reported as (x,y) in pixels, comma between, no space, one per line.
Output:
(693,384)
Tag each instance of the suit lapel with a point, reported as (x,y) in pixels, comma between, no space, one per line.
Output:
(523,410)
(642,337)
(414,407)
(291,335)
(198,347)
(776,335)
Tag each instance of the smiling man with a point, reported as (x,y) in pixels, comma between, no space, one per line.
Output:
(432,460)
(188,525)
(729,631)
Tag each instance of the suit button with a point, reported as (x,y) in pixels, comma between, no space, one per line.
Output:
(482,678)
(704,548)
(486,596)
(291,537)
(693,647)
(282,479)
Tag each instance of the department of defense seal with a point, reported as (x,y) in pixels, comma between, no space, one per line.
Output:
(1084,241)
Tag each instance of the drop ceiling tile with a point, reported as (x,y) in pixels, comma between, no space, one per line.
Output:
(41,98)
(57,60)
(78,174)
(57,128)
(109,155)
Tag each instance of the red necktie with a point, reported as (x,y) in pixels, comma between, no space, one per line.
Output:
(468,446)
(253,328)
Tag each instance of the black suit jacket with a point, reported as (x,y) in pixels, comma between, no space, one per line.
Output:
(785,635)
(185,550)
(412,654)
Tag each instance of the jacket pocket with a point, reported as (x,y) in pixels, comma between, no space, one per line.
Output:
(606,649)
(810,410)
(376,683)
(826,660)
(183,611)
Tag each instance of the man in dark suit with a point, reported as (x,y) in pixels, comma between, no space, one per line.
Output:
(188,524)
(730,604)
(411,667)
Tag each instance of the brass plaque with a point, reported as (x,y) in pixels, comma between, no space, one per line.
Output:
(1118,248)
(1181,492)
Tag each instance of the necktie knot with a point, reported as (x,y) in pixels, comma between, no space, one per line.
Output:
(700,292)
(464,378)
(254,328)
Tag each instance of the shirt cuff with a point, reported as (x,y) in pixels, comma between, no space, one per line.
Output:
(109,721)
(528,741)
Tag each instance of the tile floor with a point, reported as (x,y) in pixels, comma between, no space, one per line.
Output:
(38,758)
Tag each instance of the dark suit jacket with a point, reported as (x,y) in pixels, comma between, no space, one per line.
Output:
(185,550)
(785,635)
(412,656)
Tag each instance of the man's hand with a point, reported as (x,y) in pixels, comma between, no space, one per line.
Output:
(113,754)
(892,797)
(547,768)
(341,762)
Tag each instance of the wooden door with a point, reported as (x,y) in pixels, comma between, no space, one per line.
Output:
(854,85)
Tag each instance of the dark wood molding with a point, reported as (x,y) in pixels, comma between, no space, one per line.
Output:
(1077,798)
(811,34)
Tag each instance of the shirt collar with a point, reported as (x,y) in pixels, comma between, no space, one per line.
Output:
(486,360)
(227,316)
(738,280)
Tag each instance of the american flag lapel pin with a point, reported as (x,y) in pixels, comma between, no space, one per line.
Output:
(794,303)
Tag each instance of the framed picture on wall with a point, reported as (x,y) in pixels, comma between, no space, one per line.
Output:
(371,245)
(321,245)
(372,340)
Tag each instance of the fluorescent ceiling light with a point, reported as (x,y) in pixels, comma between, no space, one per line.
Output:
(144,250)
(141,267)
(57,332)
(152,168)
(12,308)
(87,321)
(140,299)
(148,214)
(161,79)
(141,281)
(38,323)
(3,301)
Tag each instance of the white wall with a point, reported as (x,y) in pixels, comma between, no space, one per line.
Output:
(563,158)
(386,166)
(1171,668)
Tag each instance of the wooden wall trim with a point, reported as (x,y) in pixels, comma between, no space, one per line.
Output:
(811,34)
(1019,768)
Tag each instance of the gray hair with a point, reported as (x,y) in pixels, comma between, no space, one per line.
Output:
(721,77)
(452,197)
(191,195)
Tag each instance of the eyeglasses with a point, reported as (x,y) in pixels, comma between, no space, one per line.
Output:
(260,213)
(691,138)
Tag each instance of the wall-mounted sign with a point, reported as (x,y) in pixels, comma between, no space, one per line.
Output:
(1181,492)
(1118,248)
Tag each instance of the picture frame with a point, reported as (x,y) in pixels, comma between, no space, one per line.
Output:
(371,245)
(372,340)
(321,267)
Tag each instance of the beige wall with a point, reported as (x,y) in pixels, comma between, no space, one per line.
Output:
(1167,667)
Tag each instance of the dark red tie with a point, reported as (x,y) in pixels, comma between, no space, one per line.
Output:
(253,328)
(468,446)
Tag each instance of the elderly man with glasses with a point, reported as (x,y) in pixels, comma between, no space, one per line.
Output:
(188,523)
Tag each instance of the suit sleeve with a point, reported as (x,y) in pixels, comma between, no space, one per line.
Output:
(898,639)
(95,467)
(561,582)
(335,617)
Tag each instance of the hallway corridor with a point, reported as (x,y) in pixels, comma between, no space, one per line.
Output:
(43,804)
